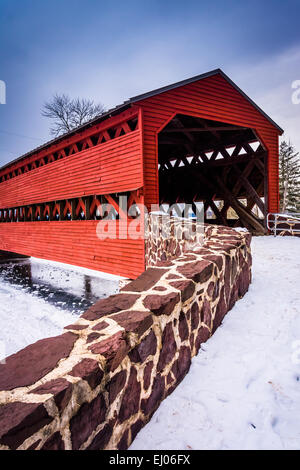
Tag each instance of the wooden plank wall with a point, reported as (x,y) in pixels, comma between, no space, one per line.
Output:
(211,98)
(111,167)
(74,242)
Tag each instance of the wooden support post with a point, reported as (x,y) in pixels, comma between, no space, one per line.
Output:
(249,188)
(51,208)
(246,217)
(73,209)
(221,219)
(61,210)
(87,205)
(266,190)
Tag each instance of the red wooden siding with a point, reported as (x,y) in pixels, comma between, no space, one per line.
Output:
(100,131)
(115,166)
(75,243)
(211,98)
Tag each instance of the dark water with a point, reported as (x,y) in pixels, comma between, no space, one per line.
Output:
(66,289)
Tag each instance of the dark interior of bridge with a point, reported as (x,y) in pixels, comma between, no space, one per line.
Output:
(219,168)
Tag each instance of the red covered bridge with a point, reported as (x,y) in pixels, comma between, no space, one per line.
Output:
(199,140)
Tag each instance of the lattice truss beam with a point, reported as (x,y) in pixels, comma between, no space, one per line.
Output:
(96,136)
(108,206)
(219,165)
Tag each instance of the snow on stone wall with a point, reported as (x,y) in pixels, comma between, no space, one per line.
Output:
(98,383)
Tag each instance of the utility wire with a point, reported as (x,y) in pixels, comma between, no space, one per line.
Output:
(20,135)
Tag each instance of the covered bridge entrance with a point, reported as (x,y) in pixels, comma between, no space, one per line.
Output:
(222,166)
(201,141)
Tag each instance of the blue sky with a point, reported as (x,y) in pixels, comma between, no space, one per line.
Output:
(110,51)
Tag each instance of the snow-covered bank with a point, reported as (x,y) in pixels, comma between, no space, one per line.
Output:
(77,269)
(25,319)
(243,388)
(38,298)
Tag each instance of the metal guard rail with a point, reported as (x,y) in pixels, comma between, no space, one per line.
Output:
(276,219)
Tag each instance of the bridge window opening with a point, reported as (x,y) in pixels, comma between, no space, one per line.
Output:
(94,139)
(217,167)
(79,146)
(83,208)
(133,124)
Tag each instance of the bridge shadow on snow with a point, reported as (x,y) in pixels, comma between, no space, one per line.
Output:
(63,288)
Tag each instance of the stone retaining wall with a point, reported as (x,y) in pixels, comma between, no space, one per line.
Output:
(97,384)
(169,237)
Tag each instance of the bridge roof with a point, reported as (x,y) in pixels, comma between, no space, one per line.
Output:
(126,104)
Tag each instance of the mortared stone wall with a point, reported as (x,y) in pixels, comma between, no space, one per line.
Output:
(98,383)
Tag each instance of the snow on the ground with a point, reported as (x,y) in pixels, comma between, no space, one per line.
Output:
(77,269)
(25,319)
(243,388)
(38,298)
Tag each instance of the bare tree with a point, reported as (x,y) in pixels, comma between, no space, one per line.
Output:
(67,114)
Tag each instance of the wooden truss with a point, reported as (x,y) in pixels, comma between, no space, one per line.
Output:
(108,206)
(220,165)
(123,124)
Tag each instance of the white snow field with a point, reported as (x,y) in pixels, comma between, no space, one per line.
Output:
(39,298)
(25,319)
(243,388)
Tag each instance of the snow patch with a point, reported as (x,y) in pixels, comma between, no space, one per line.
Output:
(78,269)
(243,388)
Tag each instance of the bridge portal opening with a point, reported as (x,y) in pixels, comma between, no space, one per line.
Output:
(218,168)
